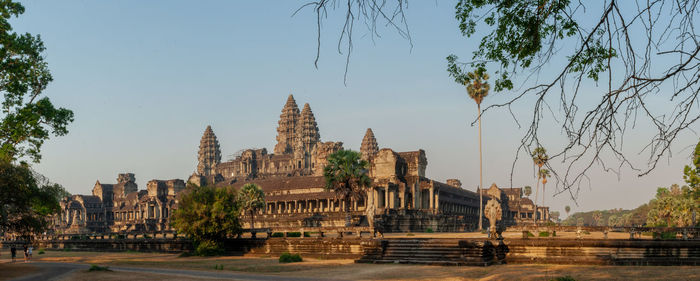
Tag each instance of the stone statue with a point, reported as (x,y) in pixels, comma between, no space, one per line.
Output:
(493,212)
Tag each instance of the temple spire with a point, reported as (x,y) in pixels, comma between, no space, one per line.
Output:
(307,134)
(369,145)
(286,129)
(209,153)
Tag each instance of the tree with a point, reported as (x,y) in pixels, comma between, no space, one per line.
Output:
(539,159)
(544,174)
(671,208)
(208,214)
(252,199)
(25,205)
(346,174)
(478,89)
(691,173)
(631,51)
(527,190)
(613,220)
(28,118)
(567,209)
(597,217)
(555,216)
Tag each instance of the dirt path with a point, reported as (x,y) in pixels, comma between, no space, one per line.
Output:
(73,271)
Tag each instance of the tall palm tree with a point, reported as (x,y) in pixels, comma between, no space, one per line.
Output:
(567,209)
(346,174)
(478,89)
(252,199)
(544,174)
(540,158)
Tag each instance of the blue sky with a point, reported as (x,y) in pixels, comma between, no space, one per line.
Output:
(145,78)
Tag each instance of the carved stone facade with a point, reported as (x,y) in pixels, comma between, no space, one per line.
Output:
(120,207)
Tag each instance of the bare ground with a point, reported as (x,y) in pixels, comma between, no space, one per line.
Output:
(338,269)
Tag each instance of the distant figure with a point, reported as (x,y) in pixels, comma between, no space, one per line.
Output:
(29,252)
(26,255)
(13,252)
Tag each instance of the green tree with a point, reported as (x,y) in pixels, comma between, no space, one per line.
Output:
(671,208)
(252,199)
(28,118)
(567,209)
(539,159)
(477,89)
(544,174)
(527,190)
(25,205)
(597,217)
(346,174)
(691,174)
(613,220)
(209,215)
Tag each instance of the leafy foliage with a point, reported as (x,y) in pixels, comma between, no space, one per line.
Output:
(95,267)
(346,174)
(287,258)
(208,248)
(28,119)
(25,206)
(527,190)
(520,29)
(252,199)
(671,208)
(208,214)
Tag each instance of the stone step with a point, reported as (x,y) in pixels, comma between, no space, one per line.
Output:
(434,253)
(433,262)
(398,255)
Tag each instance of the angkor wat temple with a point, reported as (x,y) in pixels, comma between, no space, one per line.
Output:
(401,197)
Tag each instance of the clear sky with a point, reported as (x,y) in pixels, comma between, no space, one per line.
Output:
(145,78)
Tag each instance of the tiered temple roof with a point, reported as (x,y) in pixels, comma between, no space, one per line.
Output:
(209,153)
(369,145)
(307,130)
(286,130)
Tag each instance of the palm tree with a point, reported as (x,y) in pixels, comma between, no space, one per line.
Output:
(346,174)
(252,199)
(544,174)
(539,157)
(567,209)
(478,89)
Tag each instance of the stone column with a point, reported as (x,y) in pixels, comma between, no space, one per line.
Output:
(386,197)
(432,198)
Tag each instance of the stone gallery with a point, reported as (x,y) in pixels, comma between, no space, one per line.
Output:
(401,197)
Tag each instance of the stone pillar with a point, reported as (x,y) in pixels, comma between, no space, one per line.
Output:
(392,198)
(354,204)
(437,201)
(386,197)
(432,198)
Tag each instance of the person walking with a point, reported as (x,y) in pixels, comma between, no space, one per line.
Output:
(26,256)
(29,252)
(13,252)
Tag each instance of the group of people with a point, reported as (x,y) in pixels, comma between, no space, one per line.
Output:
(28,249)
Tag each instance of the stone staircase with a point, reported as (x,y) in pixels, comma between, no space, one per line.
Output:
(431,252)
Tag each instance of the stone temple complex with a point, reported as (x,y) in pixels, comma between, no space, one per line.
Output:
(401,197)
